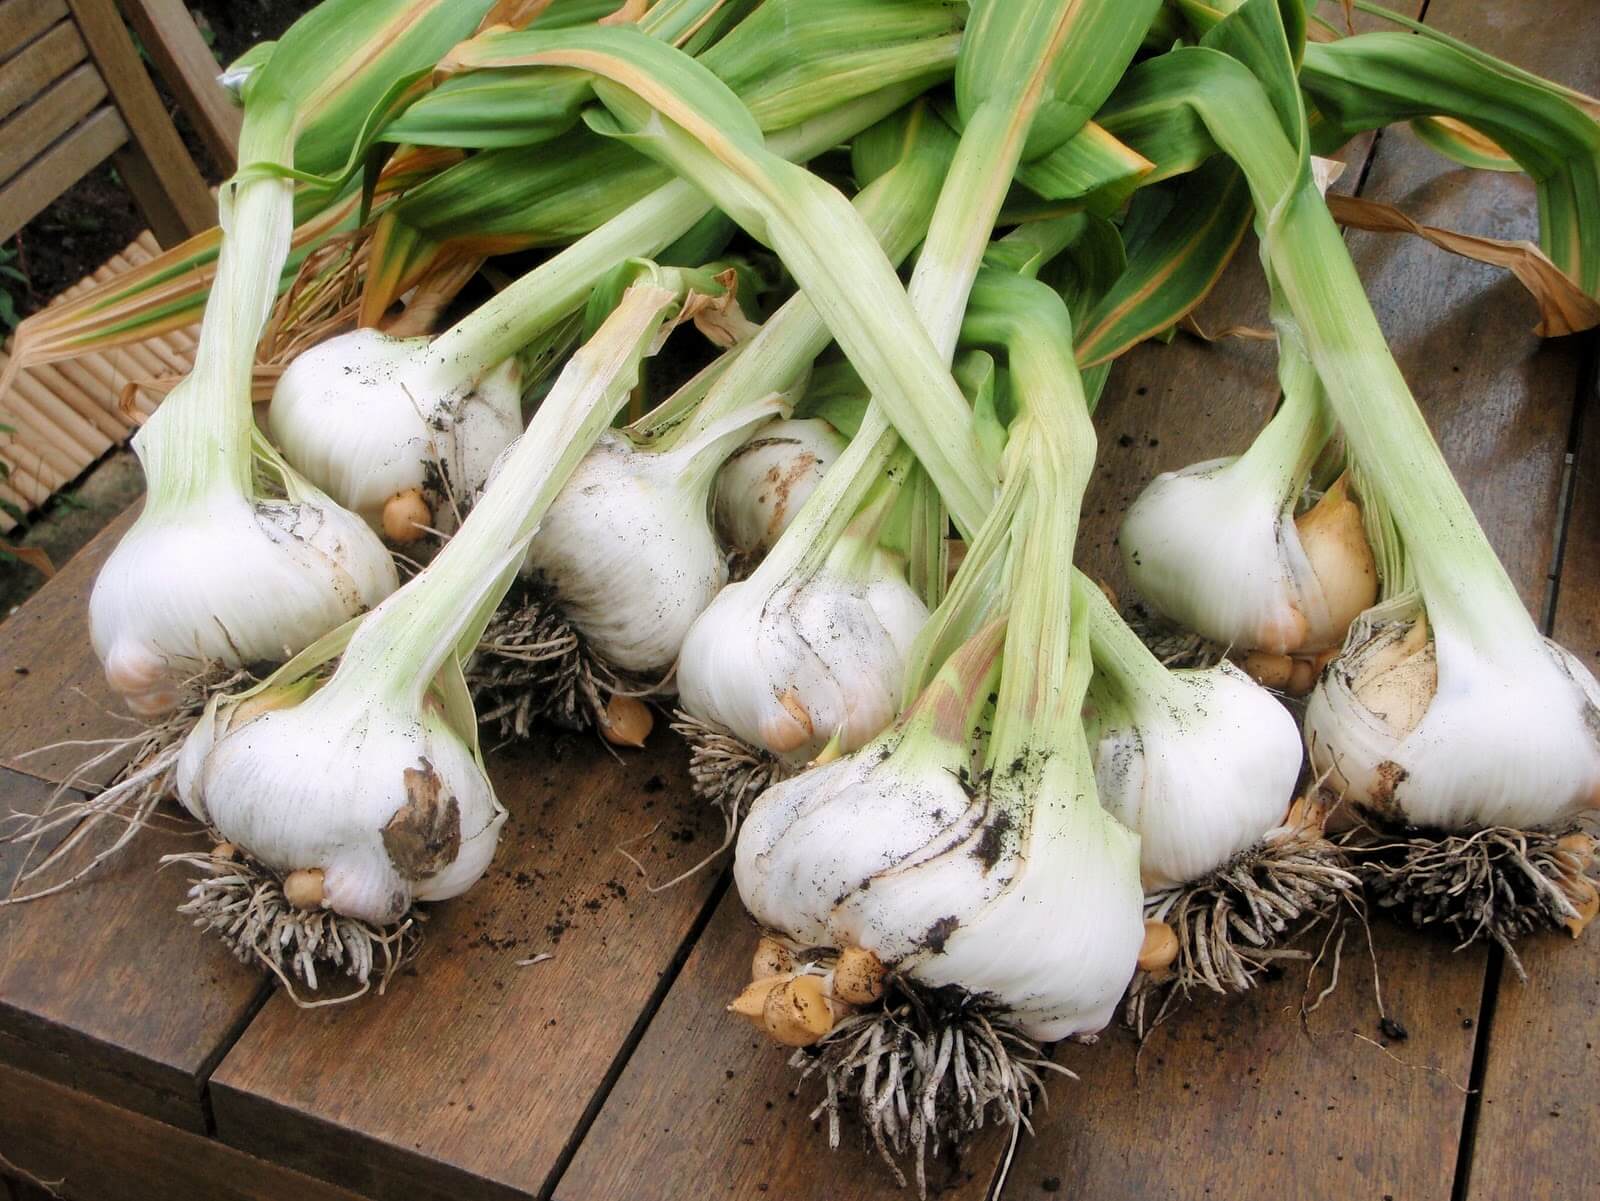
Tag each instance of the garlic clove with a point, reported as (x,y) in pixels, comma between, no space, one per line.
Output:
(858,976)
(1335,544)
(406,517)
(1268,670)
(797,1012)
(772,958)
(752,1002)
(626,721)
(1160,946)
(304,888)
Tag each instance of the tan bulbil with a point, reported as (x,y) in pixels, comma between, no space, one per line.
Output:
(626,721)
(406,517)
(858,977)
(772,958)
(1160,946)
(798,1011)
(1267,669)
(751,1003)
(303,889)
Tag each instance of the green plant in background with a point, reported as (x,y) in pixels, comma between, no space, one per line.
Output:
(10,276)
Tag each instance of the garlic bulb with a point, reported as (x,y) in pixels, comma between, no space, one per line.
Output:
(1037,908)
(818,656)
(391,422)
(1441,733)
(389,806)
(763,484)
(229,580)
(1215,552)
(627,546)
(1200,769)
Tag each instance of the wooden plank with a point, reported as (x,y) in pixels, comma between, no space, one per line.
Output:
(51,686)
(63,165)
(106,988)
(704,1107)
(48,59)
(190,69)
(149,192)
(1536,1113)
(60,107)
(23,20)
(98,1152)
(141,108)
(473,1073)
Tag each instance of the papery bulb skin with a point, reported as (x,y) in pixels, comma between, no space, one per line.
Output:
(1213,551)
(391,807)
(1437,734)
(368,417)
(789,669)
(230,582)
(763,484)
(1037,909)
(1201,775)
(629,553)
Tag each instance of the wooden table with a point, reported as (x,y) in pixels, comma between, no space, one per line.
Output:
(138,1060)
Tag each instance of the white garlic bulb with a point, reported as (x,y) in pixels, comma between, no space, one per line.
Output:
(371,418)
(391,806)
(1030,901)
(1439,733)
(628,551)
(1200,770)
(1215,548)
(228,581)
(763,484)
(817,657)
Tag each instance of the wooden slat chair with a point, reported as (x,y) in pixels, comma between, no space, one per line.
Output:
(73,92)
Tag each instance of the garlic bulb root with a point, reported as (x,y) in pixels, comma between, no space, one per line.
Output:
(281,924)
(724,769)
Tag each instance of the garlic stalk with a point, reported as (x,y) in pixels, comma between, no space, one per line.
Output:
(1218,548)
(362,792)
(761,487)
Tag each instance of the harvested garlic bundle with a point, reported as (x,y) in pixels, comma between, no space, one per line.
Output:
(361,792)
(1217,547)
(393,429)
(764,483)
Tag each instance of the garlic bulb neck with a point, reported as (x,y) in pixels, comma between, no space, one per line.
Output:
(390,807)
(369,417)
(765,482)
(791,666)
(230,581)
(1444,734)
(1201,769)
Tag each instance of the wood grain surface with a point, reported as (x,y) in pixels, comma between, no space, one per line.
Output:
(51,688)
(85,1149)
(109,990)
(472,1068)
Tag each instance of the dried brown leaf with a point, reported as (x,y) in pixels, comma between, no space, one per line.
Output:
(1564,307)
(31,555)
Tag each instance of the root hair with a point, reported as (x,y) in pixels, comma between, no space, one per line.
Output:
(243,903)
(131,798)
(924,1070)
(1496,884)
